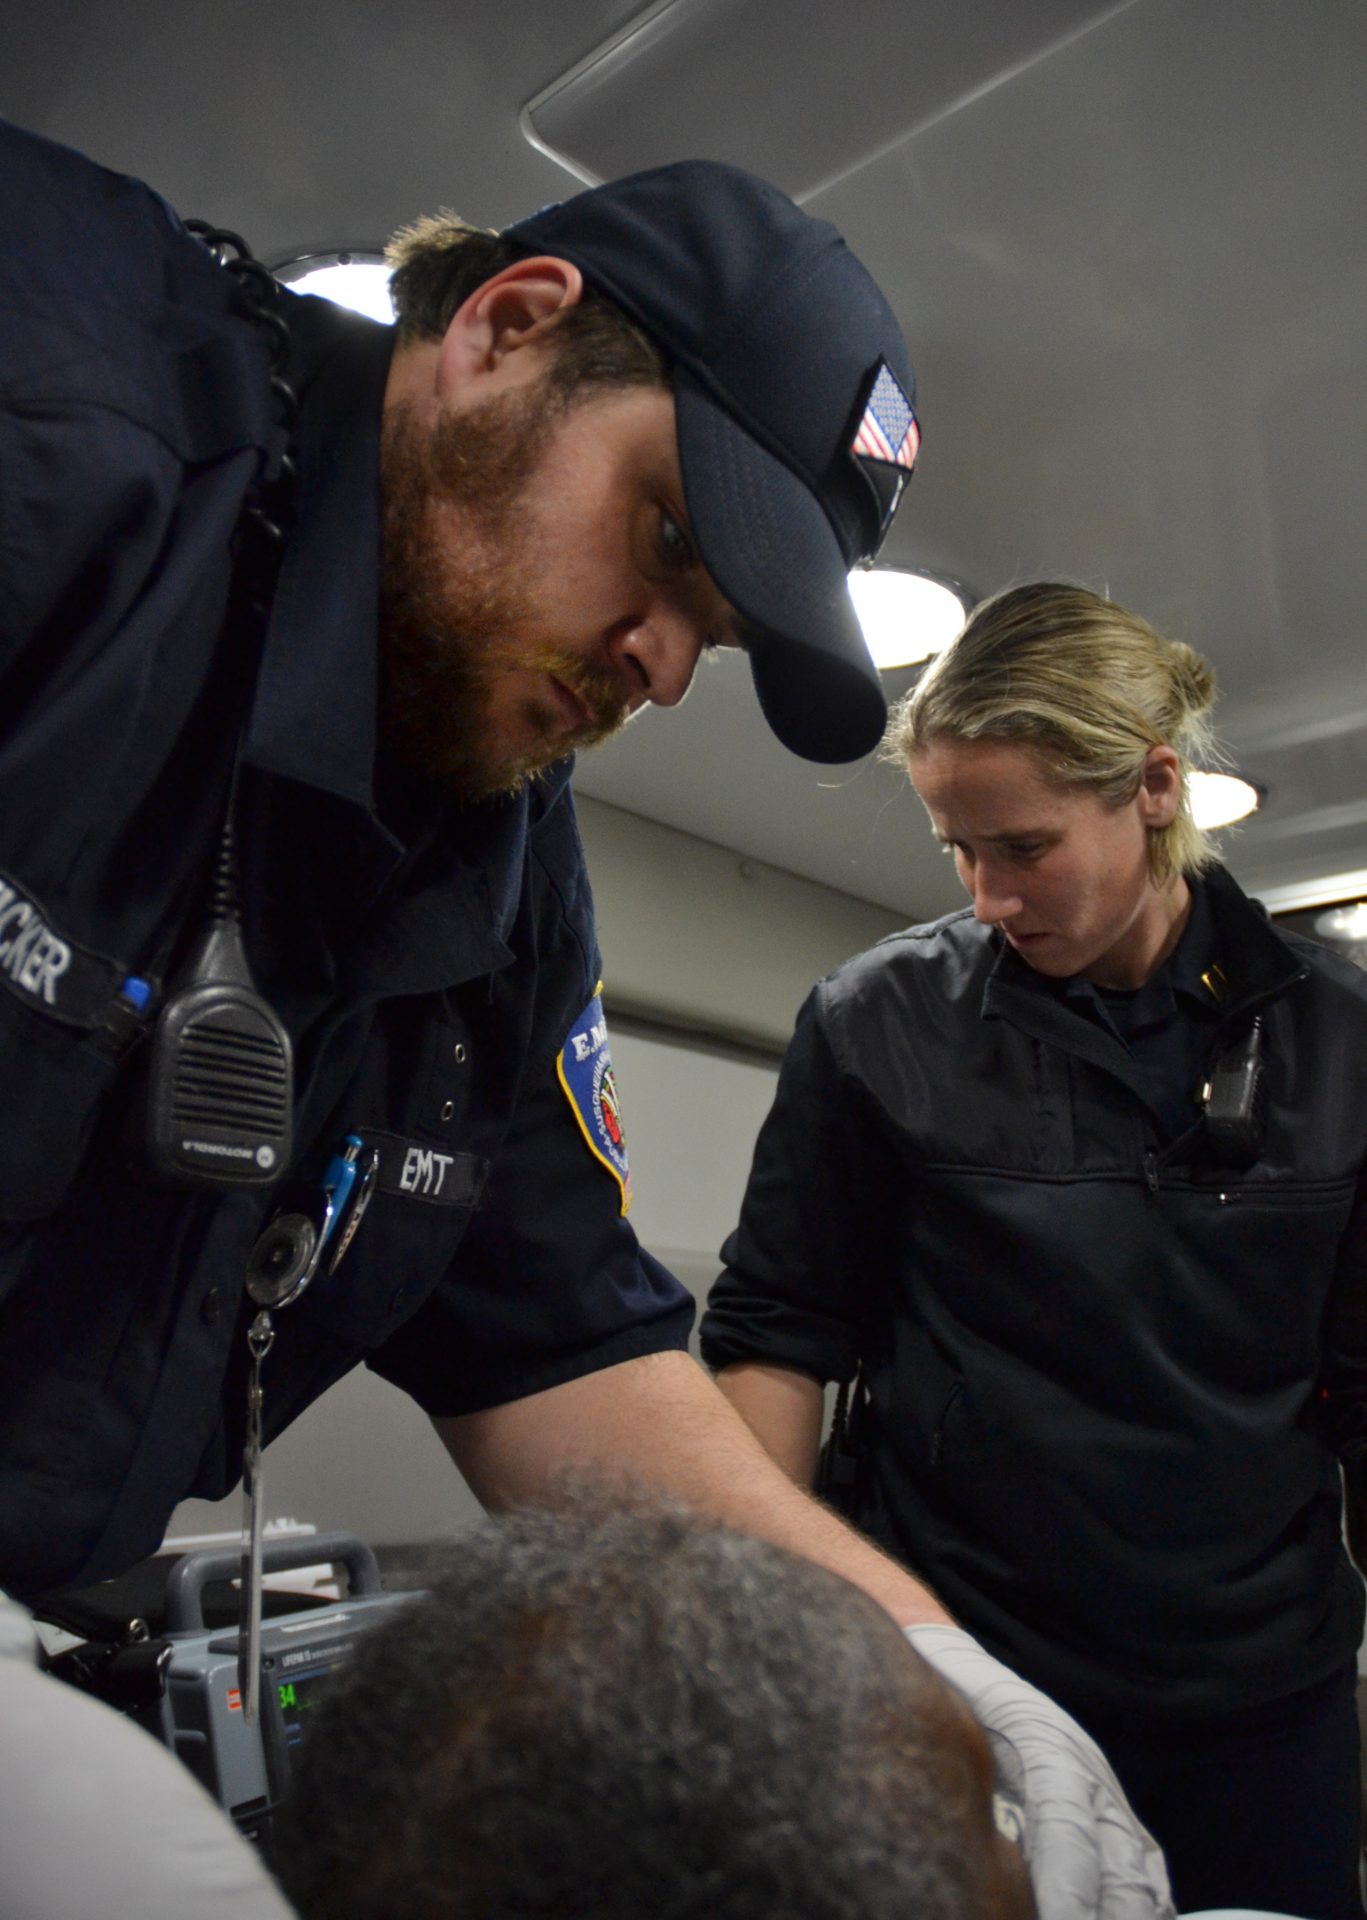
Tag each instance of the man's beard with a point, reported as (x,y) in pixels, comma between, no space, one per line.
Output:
(455,570)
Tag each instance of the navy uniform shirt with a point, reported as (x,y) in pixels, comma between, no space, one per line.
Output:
(440,989)
(1090,1352)
(1167,1026)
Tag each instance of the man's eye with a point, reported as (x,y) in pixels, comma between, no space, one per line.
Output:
(677,552)
(1027,850)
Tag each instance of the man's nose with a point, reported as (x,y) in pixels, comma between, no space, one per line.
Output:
(657,655)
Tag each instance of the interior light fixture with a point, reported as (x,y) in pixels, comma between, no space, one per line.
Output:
(355,279)
(1219,799)
(1347,925)
(1325,890)
(906,614)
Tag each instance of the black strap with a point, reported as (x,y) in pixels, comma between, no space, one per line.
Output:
(838,1467)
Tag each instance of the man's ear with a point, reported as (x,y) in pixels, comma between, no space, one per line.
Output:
(512,311)
(1160,787)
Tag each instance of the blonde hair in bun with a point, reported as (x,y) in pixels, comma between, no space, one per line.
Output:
(1086,686)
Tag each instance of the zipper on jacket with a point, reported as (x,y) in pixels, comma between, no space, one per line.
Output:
(1151,1170)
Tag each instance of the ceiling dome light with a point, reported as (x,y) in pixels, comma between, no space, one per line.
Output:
(1219,799)
(906,615)
(358,280)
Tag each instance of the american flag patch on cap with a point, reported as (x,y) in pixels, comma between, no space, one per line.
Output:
(888,430)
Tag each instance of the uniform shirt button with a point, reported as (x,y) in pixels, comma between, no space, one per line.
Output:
(211,1306)
(448,1110)
(460,1053)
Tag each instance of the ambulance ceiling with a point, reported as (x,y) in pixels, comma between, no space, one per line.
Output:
(1127,243)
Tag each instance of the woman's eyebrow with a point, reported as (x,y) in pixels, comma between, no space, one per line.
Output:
(1003,834)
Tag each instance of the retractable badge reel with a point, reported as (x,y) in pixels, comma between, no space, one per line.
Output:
(282,1264)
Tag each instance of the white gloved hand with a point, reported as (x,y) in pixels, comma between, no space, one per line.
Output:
(1089,1857)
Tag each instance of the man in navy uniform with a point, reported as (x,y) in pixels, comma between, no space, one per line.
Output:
(667,415)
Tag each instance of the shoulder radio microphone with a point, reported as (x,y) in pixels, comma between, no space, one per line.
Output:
(220,1096)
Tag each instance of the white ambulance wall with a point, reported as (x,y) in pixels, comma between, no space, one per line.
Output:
(709,940)
(698,937)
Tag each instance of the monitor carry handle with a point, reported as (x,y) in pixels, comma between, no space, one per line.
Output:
(187,1580)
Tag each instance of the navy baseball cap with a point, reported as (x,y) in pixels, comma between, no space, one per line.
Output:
(796,415)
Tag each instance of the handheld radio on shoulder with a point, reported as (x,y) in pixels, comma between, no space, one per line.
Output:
(220,1073)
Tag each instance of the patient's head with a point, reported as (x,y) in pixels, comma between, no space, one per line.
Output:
(608,1711)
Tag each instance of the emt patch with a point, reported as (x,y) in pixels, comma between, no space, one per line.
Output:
(584,1070)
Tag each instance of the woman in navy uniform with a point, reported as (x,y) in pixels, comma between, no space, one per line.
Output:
(1087,1311)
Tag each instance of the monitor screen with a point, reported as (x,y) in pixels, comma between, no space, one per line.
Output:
(296,1697)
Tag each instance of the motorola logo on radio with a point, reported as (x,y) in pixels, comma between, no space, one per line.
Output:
(231,1153)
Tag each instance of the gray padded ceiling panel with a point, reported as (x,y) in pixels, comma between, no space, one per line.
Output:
(763,77)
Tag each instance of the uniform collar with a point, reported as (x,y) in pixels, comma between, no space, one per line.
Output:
(1191,972)
(1195,967)
(1259,963)
(313,718)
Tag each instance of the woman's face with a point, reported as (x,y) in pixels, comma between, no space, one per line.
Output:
(1062,874)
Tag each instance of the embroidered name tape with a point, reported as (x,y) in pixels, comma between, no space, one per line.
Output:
(50,972)
(31,954)
(410,1170)
(584,1070)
